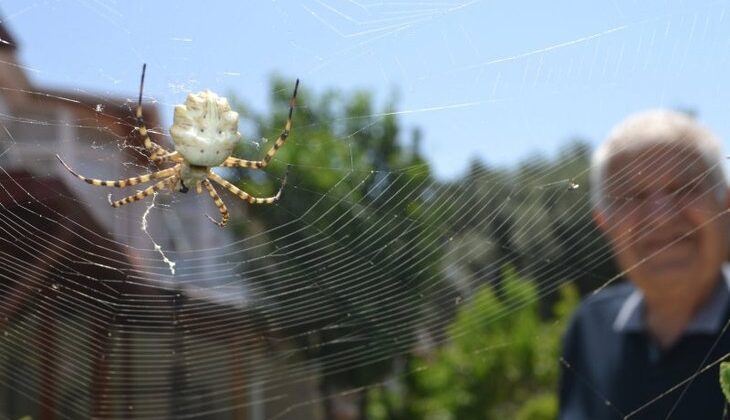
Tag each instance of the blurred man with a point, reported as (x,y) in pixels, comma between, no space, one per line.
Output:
(647,348)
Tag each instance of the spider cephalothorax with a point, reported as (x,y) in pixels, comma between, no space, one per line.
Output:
(205,132)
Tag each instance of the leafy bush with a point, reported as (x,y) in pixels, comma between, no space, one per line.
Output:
(500,360)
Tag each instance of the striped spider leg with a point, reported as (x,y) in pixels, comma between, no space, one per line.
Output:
(260,164)
(169,176)
(158,153)
(200,177)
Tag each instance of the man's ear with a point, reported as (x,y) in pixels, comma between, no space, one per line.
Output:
(599,218)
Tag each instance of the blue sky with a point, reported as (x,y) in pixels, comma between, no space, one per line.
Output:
(498,80)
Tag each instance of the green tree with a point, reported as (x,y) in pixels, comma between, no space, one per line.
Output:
(500,361)
(353,237)
(365,244)
(537,217)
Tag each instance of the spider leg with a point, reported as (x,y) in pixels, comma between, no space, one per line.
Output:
(155,149)
(244,195)
(183,188)
(121,183)
(241,163)
(218,203)
(144,193)
(173,156)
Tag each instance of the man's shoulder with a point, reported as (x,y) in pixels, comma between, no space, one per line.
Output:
(608,296)
(602,307)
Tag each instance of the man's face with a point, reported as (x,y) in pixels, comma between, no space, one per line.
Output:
(663,218)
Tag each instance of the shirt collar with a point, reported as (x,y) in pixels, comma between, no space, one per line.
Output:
(710,319)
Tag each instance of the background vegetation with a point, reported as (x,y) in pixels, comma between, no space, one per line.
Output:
(500,254)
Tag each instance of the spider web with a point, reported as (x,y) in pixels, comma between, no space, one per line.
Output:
(298,309)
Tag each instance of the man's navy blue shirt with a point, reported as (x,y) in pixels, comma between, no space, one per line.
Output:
(612,368)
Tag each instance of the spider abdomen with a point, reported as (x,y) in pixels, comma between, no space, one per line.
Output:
(205,129)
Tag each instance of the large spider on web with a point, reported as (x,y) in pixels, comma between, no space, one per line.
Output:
(204,132)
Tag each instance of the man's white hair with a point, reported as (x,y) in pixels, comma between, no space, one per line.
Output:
(652,128)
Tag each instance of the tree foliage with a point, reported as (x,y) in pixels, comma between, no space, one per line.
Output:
(499,361)
(366,244)
(352,237)
(536,217)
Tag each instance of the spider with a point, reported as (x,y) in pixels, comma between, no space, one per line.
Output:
(205,132)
